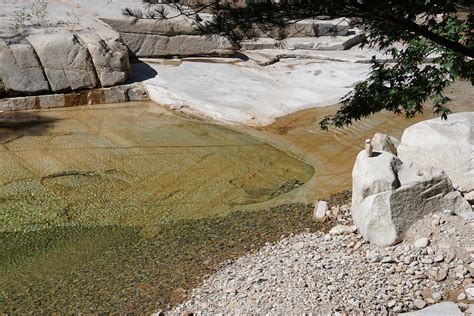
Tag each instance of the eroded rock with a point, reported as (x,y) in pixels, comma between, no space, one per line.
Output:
(109,56)
(384,142)
(21,69)
(66,62)
(145,45)
(389,196)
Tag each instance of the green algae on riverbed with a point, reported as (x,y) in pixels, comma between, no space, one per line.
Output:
(112,208)
(117,269)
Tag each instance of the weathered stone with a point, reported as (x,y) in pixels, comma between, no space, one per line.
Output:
(22,72)
(143,45)
(21,103)
(422,242)
(115,95)
(446,144)
(177,26)
(2,86)
(419,303)
(372,175)
(342,229)
(441,275)
(384,142)
(110,58)
(388,196)
(137,93)
(320,210)
(306,43)
(66,62)
(51,101)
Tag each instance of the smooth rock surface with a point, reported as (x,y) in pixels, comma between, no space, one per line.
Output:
(67,63)
(440,309)
(446,144)
(21,69)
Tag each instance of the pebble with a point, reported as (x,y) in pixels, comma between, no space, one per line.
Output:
(422,242)
(337,273)
(419,303)
(441,275)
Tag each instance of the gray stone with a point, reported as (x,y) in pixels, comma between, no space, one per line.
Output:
(115,95)
(177,26)
(342,229)
(422,242)
(143,45)
(441,275)
(384,142)
(388,196)
(419,303)
(305,43)
(51,101)
(21,103)
(137,93)
(66,62)
(446,144)
(109,56)
(22,71)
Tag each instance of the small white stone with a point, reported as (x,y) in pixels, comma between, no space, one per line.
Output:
(422,242)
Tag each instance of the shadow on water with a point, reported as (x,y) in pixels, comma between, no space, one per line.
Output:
(118,269)
(17,124)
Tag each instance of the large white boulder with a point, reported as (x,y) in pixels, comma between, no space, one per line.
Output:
(388,196)
(21,69)
(446,144)
(66,62)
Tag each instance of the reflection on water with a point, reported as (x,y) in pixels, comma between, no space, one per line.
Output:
(85,192)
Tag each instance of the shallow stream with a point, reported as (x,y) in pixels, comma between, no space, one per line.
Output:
(123,208)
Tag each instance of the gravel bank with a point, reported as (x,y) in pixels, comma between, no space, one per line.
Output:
(340,272)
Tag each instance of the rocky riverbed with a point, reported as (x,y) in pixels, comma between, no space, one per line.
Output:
(339,272)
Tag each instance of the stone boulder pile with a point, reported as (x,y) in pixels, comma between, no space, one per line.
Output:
(390,193)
